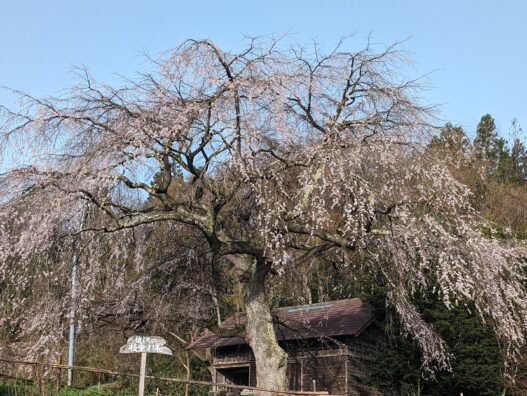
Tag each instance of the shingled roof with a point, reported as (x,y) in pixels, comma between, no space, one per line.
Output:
(328,319)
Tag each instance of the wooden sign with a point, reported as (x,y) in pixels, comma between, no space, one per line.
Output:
(144,345)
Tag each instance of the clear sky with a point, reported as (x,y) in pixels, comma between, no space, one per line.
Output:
(475,49)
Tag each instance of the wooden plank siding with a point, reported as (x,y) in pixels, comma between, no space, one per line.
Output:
(335,360)
(337,370)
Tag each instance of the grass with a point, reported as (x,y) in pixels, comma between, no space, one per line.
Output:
(24,388)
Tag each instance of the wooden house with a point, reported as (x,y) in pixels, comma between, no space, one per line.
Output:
(329,345)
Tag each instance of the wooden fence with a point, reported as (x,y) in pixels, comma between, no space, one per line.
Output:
(55,370)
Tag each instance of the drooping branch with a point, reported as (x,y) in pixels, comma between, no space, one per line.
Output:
(278,154)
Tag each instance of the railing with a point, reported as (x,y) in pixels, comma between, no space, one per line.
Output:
(37,369)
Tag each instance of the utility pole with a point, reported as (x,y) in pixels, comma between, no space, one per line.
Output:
(71,341)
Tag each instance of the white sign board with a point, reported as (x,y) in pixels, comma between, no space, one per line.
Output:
(146,344)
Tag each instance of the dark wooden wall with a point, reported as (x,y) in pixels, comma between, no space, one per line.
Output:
(337,366)
(328,372)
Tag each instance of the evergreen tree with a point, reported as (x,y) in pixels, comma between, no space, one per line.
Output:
(396,367)
(501,159)
(477,364)
(486,141)
(477,367)
(452,139)
(518,159)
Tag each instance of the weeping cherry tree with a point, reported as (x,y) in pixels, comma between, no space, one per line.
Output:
(281,155)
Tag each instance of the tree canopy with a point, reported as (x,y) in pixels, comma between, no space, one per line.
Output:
(272,156)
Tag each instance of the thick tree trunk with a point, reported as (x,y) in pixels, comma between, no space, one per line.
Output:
(271,359)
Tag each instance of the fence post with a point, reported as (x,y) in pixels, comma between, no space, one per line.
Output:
(35,373)
(142,374)
(40,377)
(58,374)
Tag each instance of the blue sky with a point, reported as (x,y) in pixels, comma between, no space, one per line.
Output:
(476,50)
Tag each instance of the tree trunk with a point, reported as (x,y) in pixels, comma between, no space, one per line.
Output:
(271,359)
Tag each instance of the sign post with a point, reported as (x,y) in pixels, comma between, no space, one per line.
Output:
(144,345)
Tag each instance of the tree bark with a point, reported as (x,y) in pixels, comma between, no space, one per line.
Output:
(271,359)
